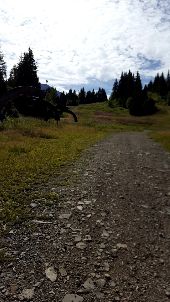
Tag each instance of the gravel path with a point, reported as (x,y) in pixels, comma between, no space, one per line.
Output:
(108,236)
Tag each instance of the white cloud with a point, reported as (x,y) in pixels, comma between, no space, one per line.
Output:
(76,40)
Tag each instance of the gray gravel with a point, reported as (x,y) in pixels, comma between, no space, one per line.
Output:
(108,236)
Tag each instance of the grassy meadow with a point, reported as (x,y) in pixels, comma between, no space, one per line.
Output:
(32,151)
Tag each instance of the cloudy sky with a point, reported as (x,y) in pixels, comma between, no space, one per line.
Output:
(87,42)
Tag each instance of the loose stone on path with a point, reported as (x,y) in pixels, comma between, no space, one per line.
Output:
(27,294)
(81,245)
(89,284)
(65,216)
(51,273)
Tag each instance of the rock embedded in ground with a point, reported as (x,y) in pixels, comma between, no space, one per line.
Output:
(78,238)
(106,266)
(100,282)
(105,234)
(81,245)
(112,284)
(65,216)
(33,205)
(89,284)
(62,271)
(51,273)
(80,208)
(26,294)
(167,292)
(121,246)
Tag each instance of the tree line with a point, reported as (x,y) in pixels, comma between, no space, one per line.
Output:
(21,93)
(25,74)
(72,98)
(127,92)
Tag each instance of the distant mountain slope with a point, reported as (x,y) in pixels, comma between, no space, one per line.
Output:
(45,87)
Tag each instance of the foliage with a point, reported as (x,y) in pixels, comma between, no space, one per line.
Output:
(128,86)
(51,96)
(128,93)
(141,105)
(160,86)
(84,97)
(2,75)
(25,72)
(72,98)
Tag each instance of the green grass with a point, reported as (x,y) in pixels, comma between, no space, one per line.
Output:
(101,117)
(162,137)
(33,151)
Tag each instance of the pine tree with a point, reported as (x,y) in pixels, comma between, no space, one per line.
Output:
(94,96)
(88,97)
(101,95)
(12,77)
(150,86)
(2,74)
(25,73)
(114,93)
(163,85)
(82,96)
(137,84)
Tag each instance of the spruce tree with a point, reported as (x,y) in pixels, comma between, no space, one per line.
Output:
(101,95)
(82,96)
(13,77)
(137,84)
(89,97)
(25,73)
(163,85)
(114,93)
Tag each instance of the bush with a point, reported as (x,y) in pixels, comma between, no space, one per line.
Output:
(141,105)
(113,103)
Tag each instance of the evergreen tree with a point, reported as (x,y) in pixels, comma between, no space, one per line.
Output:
(82,96)
(51,96)
(114,93)
(89,97)
(101,95)
(63,99)
(13,77)
(150,86)
(72,98)
(2,74)
(127,86)
(163,85)
(94,97)
(75,99)
(25,73)
(137,85)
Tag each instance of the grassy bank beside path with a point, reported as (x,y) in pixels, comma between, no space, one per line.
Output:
(32,151)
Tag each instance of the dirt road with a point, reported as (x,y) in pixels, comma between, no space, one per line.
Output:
(108,236)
